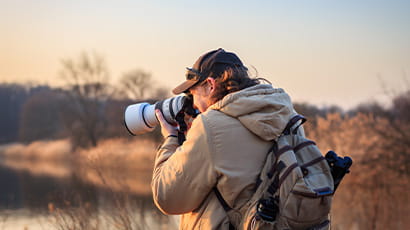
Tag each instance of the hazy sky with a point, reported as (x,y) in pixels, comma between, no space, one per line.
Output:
(321,51)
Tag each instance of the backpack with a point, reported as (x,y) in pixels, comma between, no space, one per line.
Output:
(294,189)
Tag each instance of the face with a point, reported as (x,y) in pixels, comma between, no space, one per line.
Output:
(201,95)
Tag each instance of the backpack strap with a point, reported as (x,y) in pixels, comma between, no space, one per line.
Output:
(225,205)
(218,194)
(295,119)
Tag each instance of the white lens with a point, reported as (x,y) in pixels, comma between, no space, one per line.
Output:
(140,118)
(170,108)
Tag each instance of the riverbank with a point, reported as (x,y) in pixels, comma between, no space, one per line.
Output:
(121,165)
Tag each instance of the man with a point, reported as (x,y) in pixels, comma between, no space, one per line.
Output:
(225,147)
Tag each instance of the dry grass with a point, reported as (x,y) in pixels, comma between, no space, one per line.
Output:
(73,218)
(120,165)
(375,194)
(4,215)
(121,172)
(123,212)
(40,158)
(125,165)
(38,150)
(57,169)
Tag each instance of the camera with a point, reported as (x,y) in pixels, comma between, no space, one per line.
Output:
(268,208)
(140,118)
(339,166)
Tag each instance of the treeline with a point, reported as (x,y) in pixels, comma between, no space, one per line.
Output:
(88,108)
(87,112)
(30,113)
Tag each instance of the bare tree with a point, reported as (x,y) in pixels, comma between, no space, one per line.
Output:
(88,90)
(136,83)
(139,85)
(160,93)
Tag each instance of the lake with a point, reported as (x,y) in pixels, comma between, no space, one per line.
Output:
(61,195)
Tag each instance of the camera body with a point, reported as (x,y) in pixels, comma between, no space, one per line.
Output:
(140,118)
(338,166)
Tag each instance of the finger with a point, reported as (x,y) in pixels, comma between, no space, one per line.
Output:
(159,115)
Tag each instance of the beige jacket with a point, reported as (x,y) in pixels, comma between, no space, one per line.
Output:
(225,147)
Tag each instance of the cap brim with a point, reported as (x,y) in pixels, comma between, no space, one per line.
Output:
(184,86)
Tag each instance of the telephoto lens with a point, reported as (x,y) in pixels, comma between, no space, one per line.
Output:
(140,118)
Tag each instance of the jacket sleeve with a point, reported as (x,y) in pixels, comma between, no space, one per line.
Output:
(183,176)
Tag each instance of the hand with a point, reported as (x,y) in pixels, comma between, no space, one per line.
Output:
(166,128)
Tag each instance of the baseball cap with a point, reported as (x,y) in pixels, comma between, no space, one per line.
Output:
(205,65)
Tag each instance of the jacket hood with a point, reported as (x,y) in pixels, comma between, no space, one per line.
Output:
(262,109)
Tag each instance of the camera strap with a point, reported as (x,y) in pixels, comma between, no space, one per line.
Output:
(187,109)
(181,137)
(180,118)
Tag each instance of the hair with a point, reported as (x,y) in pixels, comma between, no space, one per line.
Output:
(229,79)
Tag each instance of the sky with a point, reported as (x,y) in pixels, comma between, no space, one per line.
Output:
(322,52)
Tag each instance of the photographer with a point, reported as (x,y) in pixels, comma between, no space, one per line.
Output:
(226,145)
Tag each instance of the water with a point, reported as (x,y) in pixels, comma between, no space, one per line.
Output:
(30,200)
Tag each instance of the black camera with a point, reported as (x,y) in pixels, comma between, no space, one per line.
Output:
(338,166)
(268,208)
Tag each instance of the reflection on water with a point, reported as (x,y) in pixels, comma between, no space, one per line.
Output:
(23,219)
(62,194)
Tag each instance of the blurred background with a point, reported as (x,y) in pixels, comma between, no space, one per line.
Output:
(68,69)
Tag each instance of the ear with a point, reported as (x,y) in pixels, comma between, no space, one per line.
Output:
(211,84)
